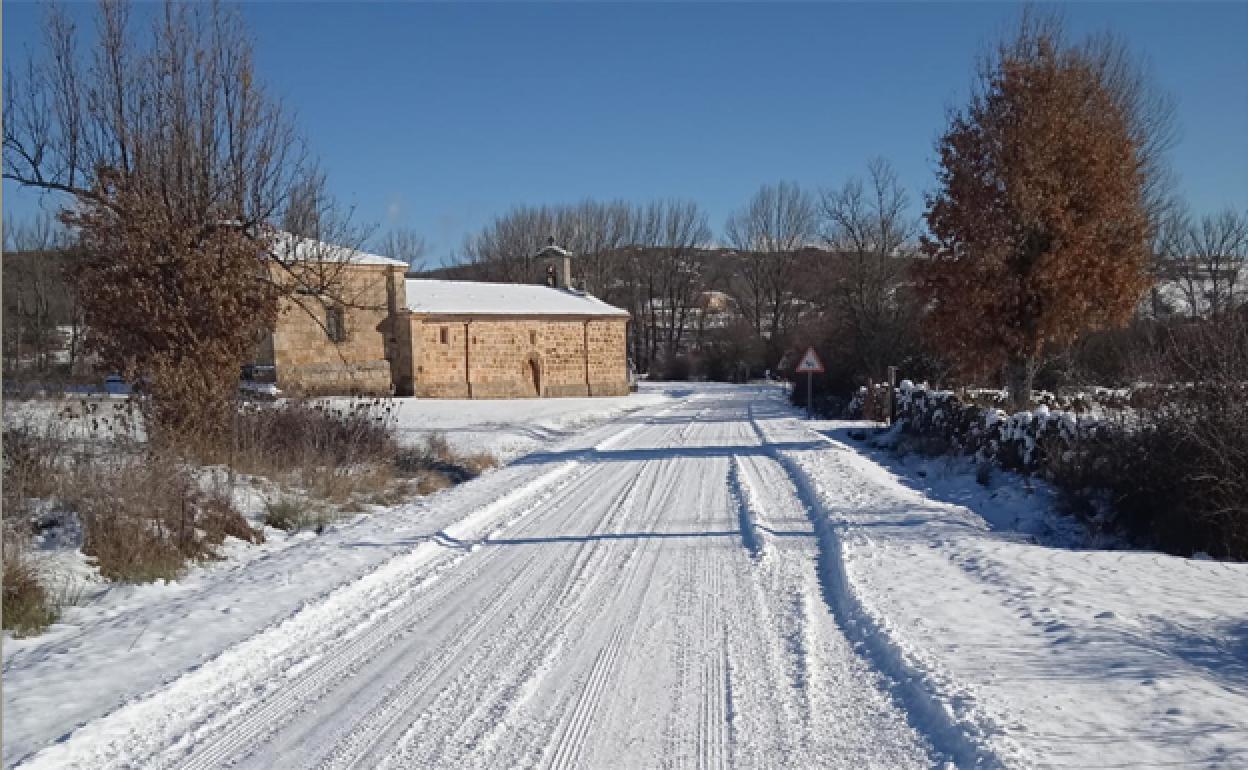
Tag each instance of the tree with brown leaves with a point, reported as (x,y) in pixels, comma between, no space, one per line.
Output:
(1048,188)
(173,304)
(170,161)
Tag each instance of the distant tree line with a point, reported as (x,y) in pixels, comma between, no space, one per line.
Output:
(1051,249)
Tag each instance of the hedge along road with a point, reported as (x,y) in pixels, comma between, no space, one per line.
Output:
(661,598)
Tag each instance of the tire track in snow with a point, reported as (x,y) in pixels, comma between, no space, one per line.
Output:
(572,739)
(713,733)
(382,719)
(714,738)
(234,738)
(779,593)
(366,739)
(363,742)
(696,732)
(498,691)
(250,684)
(567,749)
(958,737)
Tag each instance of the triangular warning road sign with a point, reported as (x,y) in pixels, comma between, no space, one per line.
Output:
(810,362)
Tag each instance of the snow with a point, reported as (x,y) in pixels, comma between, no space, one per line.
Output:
(1048,650)
(508,429)
(555,250)
(288,246)
(435,297)
(702,580)
(266,389)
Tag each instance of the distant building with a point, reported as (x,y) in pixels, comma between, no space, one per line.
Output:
(448,339)
(1192,286)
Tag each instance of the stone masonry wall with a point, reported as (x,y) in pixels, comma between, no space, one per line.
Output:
(516,357)
(440,358)
(608,357)
(308,361)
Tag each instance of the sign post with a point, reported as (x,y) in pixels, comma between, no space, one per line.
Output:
(892,395)
(810,364)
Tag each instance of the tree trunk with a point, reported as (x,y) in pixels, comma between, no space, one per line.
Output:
(1020,375)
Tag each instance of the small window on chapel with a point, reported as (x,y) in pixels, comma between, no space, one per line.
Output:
(335,324)
(532,338)
(444,335)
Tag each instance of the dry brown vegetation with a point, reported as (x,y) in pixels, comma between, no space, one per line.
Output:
(1041,225)
(147,511)
(28,607)
(145,518)
(173,165)
(344,454)
(1179,477)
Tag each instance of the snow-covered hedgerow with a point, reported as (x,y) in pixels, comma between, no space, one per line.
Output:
(1025,441)
(1170,476)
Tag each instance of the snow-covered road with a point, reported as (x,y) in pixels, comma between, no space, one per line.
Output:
(707,582)
(652,600)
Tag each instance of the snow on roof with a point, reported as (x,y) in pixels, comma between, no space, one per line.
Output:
(289,246)
(477,298)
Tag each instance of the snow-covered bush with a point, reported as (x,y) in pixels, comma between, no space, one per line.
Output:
(1023,441)
(1174,475)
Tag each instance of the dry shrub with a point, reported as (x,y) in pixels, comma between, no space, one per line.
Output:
(294,434)
(1178,477)
(478,463)
(438,448)
(28,608)
(345,453)
(1182,480)
(437,457)
(1185,475)
(144,519)
(32,463)
(341,453)
(428,482)
(356,483)
(295,514)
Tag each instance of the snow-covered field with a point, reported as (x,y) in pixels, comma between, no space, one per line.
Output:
(705,581)
(510,428)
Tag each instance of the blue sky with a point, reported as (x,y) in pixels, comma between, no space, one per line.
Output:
(438,116)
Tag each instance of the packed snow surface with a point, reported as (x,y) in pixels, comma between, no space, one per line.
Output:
(706,581)
(510,428)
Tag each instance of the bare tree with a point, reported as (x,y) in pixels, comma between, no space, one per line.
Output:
(1207,259)
(872,234)
(187,116)
(405,244)
(667,277)
(646,257)
(37,301)
(769,234)
(173,162)
(505,247)
(594,232)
